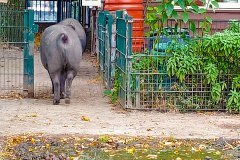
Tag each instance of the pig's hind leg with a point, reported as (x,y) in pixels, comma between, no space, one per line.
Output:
(56,83)
(62,84)
(70,76)
(51,82)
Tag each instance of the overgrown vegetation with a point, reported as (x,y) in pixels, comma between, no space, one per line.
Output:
(217,57)
(113,93)
(204,73)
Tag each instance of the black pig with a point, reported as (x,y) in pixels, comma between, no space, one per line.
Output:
(77,27)
(61,52)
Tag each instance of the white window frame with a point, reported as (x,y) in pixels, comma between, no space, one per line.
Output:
(222,6)
(229,5)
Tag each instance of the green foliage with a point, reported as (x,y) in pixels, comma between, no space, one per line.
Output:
(236,82)
(214,56)
(157,16)
(234,26)
(183,62)
(212,73)
(216,91)
(233,103)
(113,93)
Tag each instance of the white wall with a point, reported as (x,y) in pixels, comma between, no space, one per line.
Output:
(3,1)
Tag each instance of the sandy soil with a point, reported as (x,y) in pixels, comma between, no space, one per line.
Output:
(40,116)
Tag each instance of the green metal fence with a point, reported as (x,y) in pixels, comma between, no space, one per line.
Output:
(141,79)
(16,50)
(107,46)
(101,29)
(109,65)
(123,56)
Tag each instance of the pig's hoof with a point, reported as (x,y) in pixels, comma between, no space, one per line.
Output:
(56,102)
(62,96)
(67,100)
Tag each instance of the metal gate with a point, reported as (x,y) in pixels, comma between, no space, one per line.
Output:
(123,56)
(101,29)
(107,46)
(16,50)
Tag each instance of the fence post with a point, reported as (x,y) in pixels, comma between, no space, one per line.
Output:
(129,59)
(29,30)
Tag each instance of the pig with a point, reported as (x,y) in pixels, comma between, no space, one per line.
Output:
(78,28)
(61,52)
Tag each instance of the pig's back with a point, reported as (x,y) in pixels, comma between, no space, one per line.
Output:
(56,52)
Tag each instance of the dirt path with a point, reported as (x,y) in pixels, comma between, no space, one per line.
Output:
(40,116)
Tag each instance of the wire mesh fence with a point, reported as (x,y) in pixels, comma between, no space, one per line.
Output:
(16,44)
(153,88)
(11,49)
(142,75)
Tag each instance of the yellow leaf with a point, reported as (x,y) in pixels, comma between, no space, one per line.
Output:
(131,150)
(84,118)
(31,149)
(178,158)
(47,146)
(74,158)
(217,153)
(32,140)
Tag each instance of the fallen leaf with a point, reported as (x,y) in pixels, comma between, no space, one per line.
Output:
(149,129)
(131,150)
(218,153)
(84,118)
(32,115)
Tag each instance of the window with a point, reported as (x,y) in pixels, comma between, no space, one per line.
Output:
(44,10)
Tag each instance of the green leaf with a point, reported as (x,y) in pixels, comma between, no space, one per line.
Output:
(202,24)
(150,8)
(195,7)
(164,17)
(175,15)
(190,1)
(107,92)
(185,17)
(169,9)
(192,27)
(181,3)
(148,34)
(209,19)
(159,9)
(201,10)
(215,4)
